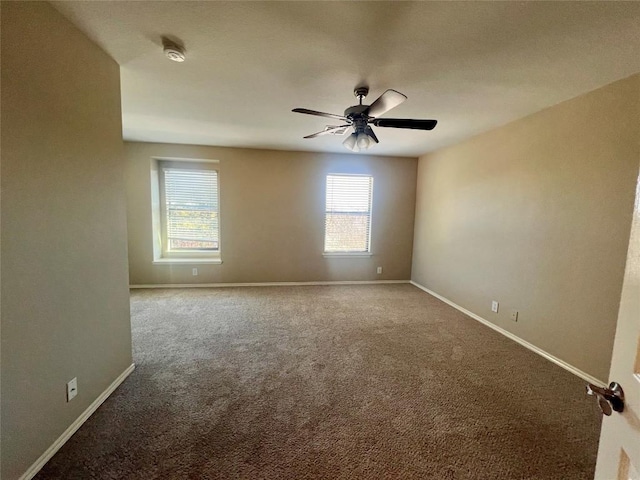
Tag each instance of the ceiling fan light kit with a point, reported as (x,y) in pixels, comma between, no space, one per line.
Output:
(360,117)
(358,141)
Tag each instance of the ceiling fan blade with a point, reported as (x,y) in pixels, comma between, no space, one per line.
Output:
(369,131)
(405,123)
(319,114)
(331,130)
(385,102)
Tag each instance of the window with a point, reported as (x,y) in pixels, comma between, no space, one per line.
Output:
(348,214)
(189,209)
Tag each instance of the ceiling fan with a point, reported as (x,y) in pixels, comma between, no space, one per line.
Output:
(360,118)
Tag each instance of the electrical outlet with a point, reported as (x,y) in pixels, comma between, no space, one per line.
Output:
(379,270)
(494,306)
(72,389)
(514,315)
(194,272)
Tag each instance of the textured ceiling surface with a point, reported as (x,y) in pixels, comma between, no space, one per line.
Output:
(471,65)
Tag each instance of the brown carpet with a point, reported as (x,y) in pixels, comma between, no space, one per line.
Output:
(332,382)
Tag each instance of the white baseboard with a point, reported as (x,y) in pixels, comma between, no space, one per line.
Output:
(515,338)
(265,284)
(62,439)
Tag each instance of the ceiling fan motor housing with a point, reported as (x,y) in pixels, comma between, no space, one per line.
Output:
(355,110)
(357,116)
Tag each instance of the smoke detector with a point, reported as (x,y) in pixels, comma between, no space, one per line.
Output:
(173,51)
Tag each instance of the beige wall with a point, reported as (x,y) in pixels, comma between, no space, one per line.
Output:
(65,304)
(536,215)
(272,216)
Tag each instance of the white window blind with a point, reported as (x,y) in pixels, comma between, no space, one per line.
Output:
(348,214)
(191,210)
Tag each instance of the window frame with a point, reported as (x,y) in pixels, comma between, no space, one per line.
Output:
(162,254)
(362,254)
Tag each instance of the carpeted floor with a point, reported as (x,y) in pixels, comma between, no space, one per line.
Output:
(332,382)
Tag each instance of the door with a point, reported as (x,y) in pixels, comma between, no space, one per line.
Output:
(619,451)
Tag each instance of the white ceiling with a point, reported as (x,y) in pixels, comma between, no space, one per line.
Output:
(470,65)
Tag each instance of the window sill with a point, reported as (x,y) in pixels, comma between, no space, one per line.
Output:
(347,254)
(187,261)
